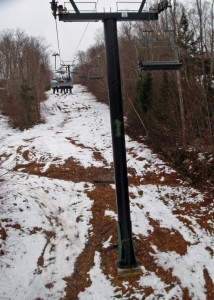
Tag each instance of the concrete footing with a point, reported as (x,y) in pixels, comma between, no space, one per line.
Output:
(129,272)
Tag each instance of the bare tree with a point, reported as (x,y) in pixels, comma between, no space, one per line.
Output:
(25,71)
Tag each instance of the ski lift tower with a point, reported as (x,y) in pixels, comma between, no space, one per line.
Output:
(55,55)
(127,264)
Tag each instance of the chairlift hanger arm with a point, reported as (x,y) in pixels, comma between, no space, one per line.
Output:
(74,6)
(141,6)
(160,6)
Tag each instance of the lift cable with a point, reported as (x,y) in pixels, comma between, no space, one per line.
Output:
(57,34)
(54,8)
(81,38)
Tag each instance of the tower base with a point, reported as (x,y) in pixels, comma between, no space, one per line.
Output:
(129,272)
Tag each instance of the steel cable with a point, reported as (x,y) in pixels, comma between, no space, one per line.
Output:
(83,34)
(57,33)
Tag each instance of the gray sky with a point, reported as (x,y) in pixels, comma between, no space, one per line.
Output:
(35,18)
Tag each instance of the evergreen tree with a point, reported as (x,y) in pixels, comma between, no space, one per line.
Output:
(142,100)
(186,38)
(28,104)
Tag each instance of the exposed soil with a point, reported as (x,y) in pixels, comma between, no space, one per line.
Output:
(3,234)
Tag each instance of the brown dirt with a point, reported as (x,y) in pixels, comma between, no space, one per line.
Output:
(3,234)
(3,237)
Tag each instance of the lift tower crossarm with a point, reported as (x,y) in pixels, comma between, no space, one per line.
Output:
(142,6)
(74,6)
(95,17)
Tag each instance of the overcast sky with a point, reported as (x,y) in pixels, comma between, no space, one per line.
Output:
(35,18)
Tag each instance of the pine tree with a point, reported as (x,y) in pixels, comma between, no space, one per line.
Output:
(186,39)
(28,103)
(142,100)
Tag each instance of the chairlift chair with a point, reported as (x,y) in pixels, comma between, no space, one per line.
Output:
(83,74)
(159,54)
(74,72)
(62,80)
(66,85)
(96,73)
(61,70)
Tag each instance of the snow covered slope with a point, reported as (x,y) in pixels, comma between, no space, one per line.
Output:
(57,225)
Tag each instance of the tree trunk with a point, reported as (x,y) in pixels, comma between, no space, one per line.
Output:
(181,102)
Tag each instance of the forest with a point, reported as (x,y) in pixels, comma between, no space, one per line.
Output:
(24,77)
